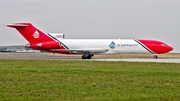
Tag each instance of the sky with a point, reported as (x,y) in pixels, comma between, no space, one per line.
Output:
(99,19)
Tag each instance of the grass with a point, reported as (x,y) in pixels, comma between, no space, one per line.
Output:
(42,80)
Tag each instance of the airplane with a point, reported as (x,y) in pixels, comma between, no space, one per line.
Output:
(55,42)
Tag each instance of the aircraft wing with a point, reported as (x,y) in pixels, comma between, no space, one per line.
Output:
(97,50)
(82,51)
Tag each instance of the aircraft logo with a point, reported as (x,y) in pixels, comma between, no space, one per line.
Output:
(112,45)
(36,34)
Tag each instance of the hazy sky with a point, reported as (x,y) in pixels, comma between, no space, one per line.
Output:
(139,19)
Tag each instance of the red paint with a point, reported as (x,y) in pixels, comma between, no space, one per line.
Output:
(62,51)
(27,30)
(46,45)
(155,46)
(38,38)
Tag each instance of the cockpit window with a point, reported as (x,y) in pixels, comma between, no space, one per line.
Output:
(163,44)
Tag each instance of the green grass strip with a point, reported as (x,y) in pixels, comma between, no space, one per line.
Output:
(44,80)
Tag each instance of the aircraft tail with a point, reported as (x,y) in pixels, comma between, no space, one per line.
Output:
(31,34)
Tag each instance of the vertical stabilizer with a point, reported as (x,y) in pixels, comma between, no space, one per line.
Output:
(30,33)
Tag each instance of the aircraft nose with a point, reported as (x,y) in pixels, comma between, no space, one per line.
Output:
(170,48)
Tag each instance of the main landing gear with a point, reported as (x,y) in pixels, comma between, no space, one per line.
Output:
(87,56)
(155,56)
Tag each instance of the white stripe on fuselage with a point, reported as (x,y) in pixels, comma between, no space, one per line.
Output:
(121,45)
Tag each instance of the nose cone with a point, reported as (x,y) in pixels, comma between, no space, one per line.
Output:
(169,48)
(155,46)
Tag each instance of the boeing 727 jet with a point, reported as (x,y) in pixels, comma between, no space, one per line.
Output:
(87,47)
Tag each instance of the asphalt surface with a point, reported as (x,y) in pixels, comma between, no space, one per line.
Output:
(36,56)
(143,60)
(48,56)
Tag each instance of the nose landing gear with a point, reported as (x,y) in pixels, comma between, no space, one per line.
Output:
(155,56)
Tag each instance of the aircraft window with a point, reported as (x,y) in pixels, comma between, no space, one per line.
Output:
(163,44)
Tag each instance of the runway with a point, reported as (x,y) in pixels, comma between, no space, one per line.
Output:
(47,56)
(142,60)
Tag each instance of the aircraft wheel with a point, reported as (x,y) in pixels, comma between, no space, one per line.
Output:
(87,56)
(83,57)
(155,56)
(90,56)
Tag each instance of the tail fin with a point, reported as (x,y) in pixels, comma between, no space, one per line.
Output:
(30,33)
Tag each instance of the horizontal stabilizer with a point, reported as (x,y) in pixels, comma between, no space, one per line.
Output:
(18,25)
